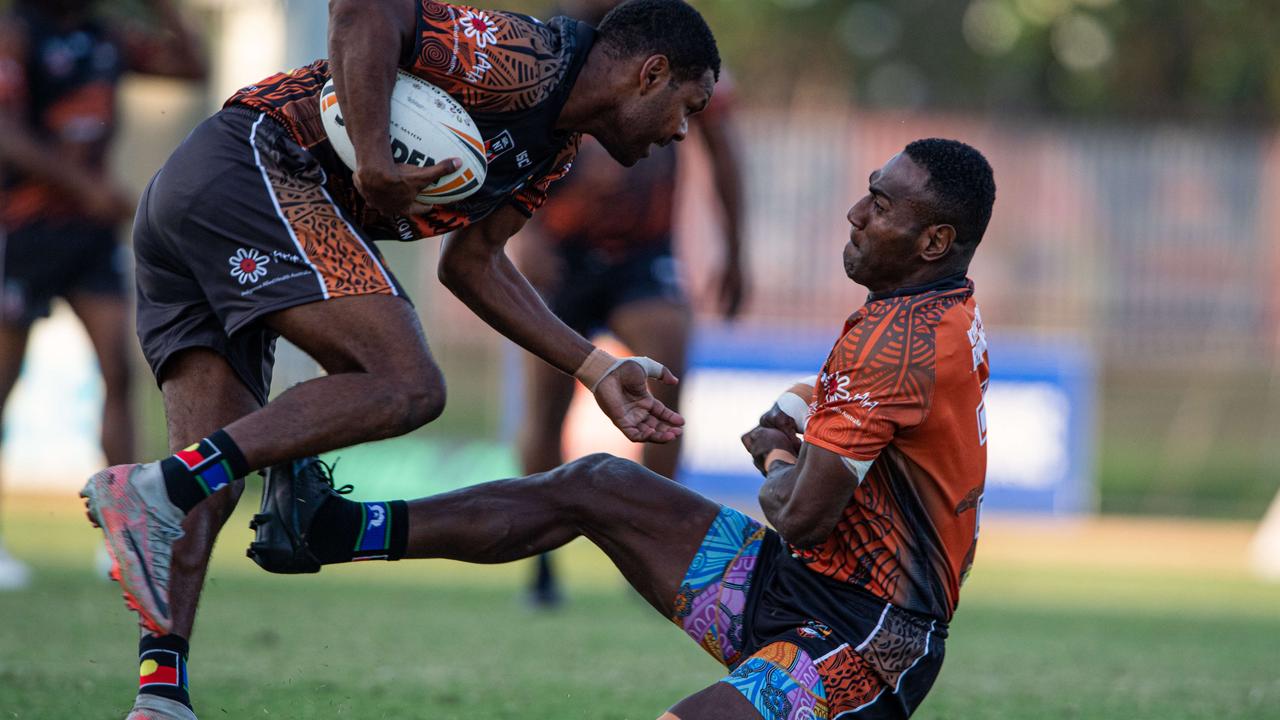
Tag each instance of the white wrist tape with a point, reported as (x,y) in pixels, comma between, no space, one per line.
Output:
(599,364)
(794,401)
(651,367)
(795,406)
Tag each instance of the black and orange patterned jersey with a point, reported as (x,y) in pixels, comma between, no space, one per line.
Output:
(512,73)
(904,389)
(60,83)
(641,199)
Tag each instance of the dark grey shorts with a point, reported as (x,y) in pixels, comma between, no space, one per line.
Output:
(238,224)
(50,259)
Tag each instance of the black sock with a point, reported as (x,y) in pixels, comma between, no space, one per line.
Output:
(162,667)
(193,474)
(343,531)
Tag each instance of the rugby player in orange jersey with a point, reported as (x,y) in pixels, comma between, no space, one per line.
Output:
(841,610)
(254,229)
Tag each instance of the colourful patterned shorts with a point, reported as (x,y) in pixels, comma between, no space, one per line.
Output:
(713,596)
(878,662)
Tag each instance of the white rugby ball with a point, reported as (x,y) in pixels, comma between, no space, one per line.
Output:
(427,126)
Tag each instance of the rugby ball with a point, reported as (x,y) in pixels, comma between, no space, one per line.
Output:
(427,126)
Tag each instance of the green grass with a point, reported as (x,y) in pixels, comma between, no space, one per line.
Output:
(439,640)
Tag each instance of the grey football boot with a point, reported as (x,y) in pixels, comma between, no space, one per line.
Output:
(292,492)
(154,707)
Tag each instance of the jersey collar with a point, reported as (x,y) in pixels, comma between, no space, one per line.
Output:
(950,282)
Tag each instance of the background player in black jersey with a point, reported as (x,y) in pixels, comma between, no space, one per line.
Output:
(59,205)
(253,229)
(617,271)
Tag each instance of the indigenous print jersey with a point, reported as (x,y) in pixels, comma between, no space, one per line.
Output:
(511,72)
(61,84)
(903,389)
(641,199)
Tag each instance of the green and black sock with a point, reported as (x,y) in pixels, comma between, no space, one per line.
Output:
(193,474)
(343,531)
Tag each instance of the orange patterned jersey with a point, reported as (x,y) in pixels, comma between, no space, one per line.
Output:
(903,389)
(512,73)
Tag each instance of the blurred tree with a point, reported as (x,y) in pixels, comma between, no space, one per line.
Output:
(1214,59)
(1142,58)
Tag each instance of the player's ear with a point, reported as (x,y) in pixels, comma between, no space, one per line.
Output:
(655,73)
(937,242)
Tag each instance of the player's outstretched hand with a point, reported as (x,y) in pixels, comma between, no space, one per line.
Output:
(624,396)
(394,192)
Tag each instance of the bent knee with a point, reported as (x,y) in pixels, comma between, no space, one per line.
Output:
(600,464)
(412,404)
(591,477)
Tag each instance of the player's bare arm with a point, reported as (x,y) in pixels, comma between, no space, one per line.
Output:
(802,498)
(367,39)
(475,267)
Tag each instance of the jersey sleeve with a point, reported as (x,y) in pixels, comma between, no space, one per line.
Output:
(534,195)
(491,61)
(875,386)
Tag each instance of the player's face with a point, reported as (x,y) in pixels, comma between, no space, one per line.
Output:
(888,231)
(658,114)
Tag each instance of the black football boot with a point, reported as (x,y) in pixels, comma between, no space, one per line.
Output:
(291,494)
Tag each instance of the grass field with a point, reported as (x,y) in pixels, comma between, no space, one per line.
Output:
(1109,619)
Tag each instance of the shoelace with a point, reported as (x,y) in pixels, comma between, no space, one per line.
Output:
(326,474)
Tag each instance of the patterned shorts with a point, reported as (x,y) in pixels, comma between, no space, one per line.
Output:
(752,609)
(239,223)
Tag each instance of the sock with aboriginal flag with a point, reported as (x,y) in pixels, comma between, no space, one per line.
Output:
(162,667)
(193,474)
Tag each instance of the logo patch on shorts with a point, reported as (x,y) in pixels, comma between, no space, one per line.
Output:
(248,265)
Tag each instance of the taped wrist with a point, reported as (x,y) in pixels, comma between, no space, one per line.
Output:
(599,364)
(592,370)
(794,401)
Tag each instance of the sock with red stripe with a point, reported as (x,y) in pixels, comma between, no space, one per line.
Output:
(193,474)
(162,667)
(343,531)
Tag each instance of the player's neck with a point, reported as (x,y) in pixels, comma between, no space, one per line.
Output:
(590,94)
(923,277)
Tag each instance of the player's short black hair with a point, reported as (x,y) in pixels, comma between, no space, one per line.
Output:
(962,184)
(662,27)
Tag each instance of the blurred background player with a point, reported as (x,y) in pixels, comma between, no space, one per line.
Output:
(601,254)
(60,208)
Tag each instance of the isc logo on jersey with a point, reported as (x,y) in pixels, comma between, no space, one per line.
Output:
(426,124)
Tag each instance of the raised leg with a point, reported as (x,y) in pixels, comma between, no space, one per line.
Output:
(381,381)
(649,526)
